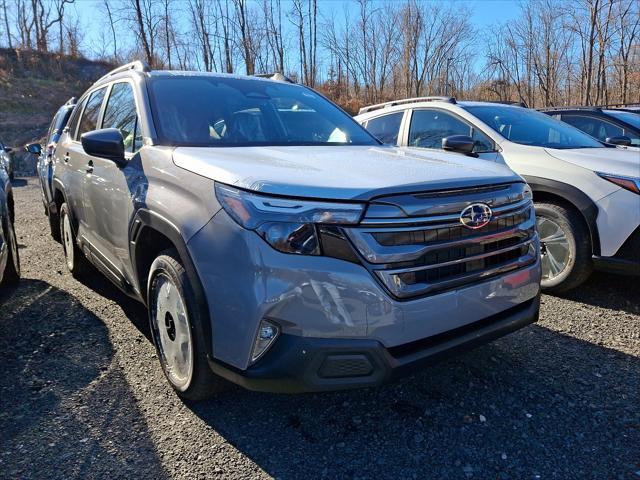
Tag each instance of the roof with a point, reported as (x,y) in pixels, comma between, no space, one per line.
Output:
(399,105)
(142,68)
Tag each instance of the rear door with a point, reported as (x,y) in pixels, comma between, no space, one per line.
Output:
(108,196)
(79,163)
(428,126)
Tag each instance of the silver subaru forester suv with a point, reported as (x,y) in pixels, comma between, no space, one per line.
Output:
(276,243)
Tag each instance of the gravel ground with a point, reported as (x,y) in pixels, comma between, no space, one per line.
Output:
(83,396)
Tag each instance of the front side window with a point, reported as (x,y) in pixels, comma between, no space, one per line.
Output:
(529,127)
(220,111)
(89,120)
(386,127)
(429,127)
(596,127)
(120,113)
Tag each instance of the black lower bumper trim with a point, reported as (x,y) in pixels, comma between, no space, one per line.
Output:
(616,265)
(295,364)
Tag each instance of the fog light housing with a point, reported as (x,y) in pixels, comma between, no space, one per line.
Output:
(267,334)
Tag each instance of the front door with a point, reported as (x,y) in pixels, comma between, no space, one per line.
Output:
(110,187)
(429,126)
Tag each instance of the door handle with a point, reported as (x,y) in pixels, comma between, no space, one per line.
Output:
(89,168)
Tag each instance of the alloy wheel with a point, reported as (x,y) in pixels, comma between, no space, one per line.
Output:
(554,247)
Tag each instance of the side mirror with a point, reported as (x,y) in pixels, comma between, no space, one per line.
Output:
(8,149)
(106,143)
(621,140)
(458,143)
(33,148)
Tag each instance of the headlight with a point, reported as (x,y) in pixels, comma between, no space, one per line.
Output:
(628,183)
(287,224)
(528,193)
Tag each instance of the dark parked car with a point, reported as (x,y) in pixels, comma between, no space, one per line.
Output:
(5,160)
(614,126)
(9,258)
(45,163)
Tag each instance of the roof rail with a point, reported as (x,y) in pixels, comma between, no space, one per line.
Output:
(277,76)
(392,103)
(514,103)
(136,65)
(576,107)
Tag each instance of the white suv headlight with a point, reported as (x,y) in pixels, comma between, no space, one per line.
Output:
(628,183)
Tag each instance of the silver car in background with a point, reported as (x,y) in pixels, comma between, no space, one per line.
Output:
(278,244)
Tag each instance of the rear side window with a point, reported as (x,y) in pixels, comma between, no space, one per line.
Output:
(386,127)
(73,124)
(429,127)
(89,120)
(58,124)
(52,127)
(120,113)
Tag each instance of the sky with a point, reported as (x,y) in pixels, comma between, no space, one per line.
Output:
(485,13)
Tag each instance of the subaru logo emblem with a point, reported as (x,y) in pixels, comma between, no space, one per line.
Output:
(476,215)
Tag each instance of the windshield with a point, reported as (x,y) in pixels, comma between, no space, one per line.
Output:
(627,117)
(529,127)
(231,112)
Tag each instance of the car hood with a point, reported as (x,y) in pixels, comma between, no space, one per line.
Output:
(339,172)
(607,160)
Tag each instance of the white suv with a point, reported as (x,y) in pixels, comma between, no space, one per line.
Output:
(587,195)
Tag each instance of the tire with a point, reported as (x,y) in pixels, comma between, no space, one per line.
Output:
(54,226)
(75,260)
(12,270)
(173,316)
(565,246)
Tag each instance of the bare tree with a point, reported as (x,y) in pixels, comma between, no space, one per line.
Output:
(112,27)
(7,27)
(246,37)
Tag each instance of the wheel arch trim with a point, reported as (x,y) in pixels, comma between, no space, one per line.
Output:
(576,197)
(147,219)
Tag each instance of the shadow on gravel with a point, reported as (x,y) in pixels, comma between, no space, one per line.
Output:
(616,292)
(135,311)
(57,372)
(536,404)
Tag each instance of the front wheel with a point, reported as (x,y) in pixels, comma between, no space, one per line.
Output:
(565,247)
(173,312)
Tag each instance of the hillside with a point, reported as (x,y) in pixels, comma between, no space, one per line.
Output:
(33,86)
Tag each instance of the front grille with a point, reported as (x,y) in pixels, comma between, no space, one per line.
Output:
(414,251)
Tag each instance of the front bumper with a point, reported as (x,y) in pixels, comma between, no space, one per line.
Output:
(626,261)
(322,299)
(298,364)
